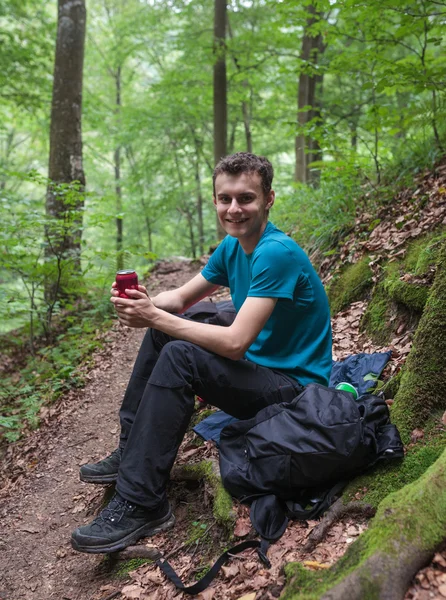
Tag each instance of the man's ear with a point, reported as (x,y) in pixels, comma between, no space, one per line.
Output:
(270,199)
(214,200)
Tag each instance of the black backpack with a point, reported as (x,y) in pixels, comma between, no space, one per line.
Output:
(292,459)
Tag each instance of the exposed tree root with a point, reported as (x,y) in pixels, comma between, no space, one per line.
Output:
(150,552)
(408,528)
(188,472)
(337,511)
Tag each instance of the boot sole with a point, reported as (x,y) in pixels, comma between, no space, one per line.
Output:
(147,530)
(99,478)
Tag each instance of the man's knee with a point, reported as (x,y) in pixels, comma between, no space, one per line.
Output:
(176,364)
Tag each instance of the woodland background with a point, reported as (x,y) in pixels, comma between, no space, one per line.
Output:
(114,113)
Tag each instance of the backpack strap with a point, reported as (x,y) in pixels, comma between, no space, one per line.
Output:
(269,516)
(201,585)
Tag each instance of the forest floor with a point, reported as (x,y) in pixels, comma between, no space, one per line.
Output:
(43,500)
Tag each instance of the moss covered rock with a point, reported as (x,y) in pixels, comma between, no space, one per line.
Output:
(350,285)
(423,382)
(412,295)
(376,318)
(422,253)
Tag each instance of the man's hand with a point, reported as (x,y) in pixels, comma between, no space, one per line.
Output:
(137,310)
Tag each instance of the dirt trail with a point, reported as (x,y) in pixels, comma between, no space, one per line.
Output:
(39,513)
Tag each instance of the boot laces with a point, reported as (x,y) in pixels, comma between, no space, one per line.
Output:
(115,510)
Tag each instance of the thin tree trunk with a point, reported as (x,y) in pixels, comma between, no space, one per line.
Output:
(247,122)
(312,47)
(118,188)
(220,89)
(65,160)
(199,208)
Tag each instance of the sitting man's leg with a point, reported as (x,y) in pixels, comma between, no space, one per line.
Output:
(140,507)
(106,470)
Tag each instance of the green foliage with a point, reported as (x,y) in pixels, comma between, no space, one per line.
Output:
(40,379)
(318,217)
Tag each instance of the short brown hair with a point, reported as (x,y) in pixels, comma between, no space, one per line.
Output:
(245,162)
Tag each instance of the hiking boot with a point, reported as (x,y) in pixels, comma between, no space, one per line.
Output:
(104,471)
(119,525)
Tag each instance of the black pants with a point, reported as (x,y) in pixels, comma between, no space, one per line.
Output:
(159,402)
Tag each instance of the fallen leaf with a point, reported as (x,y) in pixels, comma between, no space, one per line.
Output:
(207,594)
(443,418)
(29,529)
(131,592)
(442,590)
(242,527)
(230,571)
(313,564)
(439,560)
(417,434)
(251,596)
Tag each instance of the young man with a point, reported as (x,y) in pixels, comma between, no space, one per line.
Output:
(279,341)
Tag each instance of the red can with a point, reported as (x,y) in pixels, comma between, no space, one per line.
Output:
(126,280)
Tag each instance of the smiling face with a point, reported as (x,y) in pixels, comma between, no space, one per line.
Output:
(242,207)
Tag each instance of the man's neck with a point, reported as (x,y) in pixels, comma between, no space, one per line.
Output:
(249,245)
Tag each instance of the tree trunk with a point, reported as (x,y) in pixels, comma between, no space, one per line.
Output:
(220,92)
(422,392)
(65,160)
(247,121)
(314,149)
(312,47)
(409,526)
(118,189)
(199,209)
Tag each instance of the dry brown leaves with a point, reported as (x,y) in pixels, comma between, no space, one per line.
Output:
(244,576)
(410,214)
(430,583)
(347,339)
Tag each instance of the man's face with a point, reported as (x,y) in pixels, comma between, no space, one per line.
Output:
(242,207)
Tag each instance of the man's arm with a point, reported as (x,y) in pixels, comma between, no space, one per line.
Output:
(179,300)
(230,342)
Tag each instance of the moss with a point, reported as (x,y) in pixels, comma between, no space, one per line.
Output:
(391,387)
(351,285)
(394,297)
(125,567)
(423,383)
(391,477)
(412,295)
(375,320)
(394,522)
(422,253)
(200,415)
(222,506)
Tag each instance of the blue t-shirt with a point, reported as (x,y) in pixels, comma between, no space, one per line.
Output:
(296,339)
